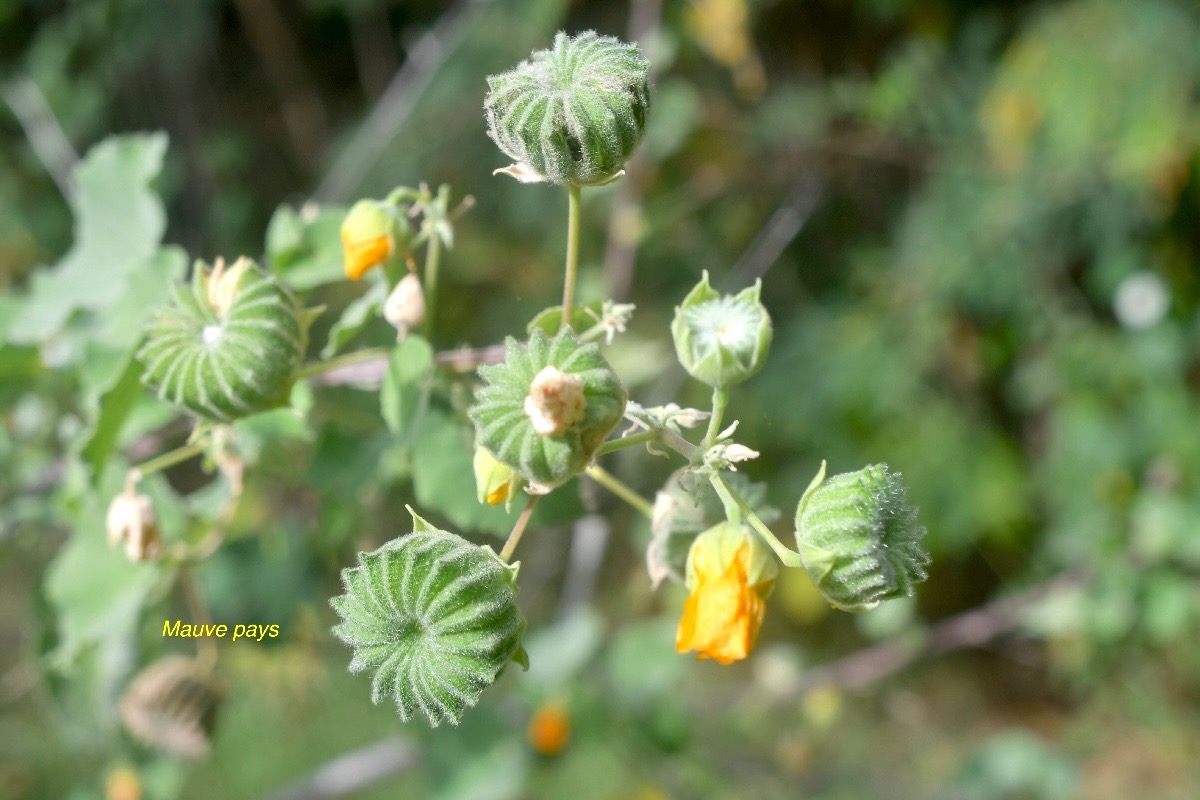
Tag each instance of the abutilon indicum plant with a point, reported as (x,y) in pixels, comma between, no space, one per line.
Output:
(432,617)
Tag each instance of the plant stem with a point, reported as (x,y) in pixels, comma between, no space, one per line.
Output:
(788,556)
(720,399)
(568,303)
(206,646)
(344,360)
(733,508)
(433,254)
(519,528)
(609,481)
(168,459)
(613,445)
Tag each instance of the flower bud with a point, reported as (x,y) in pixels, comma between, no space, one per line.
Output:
(730,572)
(495,481)
(372,233)
(404,308)
(573,114)
(555,401)
(131,520)
(550,729)
(721,339)
(859,539)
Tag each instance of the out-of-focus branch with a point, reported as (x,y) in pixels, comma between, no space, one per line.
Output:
(353,771)
(376,133)
(276,47)
(973,628)
(783,226)
(41,128)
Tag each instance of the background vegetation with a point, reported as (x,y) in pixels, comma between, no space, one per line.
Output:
(978,227)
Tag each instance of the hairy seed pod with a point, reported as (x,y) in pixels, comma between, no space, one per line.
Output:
(859,539)
(573,114)
(435,617)
(229,346)
(171,705)
(548,407)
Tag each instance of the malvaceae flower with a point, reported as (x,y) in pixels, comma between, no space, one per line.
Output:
(730,573)
(372,233)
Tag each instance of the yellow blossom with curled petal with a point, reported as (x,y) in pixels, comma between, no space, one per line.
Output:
(730,573)
(495,481)
(368,237)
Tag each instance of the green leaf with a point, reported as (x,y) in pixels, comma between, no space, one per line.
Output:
(358,314)
(405,386)
(582,318)
(119,222)
(115,405)
(442,476)
(318,259)
(98,593)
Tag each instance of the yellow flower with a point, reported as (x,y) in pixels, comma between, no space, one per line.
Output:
(367,237)
(730,572)
(495,481)
(550,729)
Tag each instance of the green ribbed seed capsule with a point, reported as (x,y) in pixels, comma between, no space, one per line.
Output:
(859,539)
(548,407)
(573,114)
(229,345)
(435,617)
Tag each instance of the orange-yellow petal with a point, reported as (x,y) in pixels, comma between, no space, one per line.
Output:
(550,729)
(722,616)
(362,255)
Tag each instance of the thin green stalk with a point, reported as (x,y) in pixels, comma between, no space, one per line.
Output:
(168,459)
(789,557)
(733,508)
(609,481)
(568,303)
(433,254)
(613,445)
(720,399)
(344,360)
(514,538)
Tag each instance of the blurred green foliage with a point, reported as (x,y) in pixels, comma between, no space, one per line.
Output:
(976,224)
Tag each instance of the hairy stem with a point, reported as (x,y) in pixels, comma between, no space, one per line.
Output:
(720,399)
(609,481)
(344,360)
(167,459)
(433,254)
(514,538)
(206,646)
(613,445)
(568,303)
(788,556)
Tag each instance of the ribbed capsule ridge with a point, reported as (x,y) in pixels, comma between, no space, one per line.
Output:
(574,113)
(503,424)
(222,355)
(435,617)
(860,539)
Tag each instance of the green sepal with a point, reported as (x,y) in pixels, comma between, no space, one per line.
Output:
(721,339)
(501,422)
(435,618)
(859,539)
